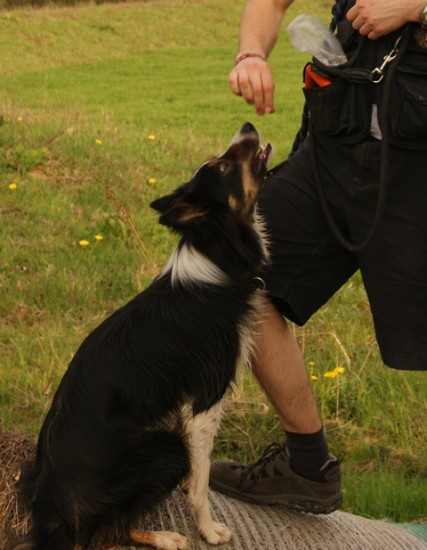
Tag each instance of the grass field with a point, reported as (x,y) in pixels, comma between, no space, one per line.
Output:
(104,108)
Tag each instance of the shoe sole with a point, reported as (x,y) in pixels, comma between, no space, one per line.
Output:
(292,502)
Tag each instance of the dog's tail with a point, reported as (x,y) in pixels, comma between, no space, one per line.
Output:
(54,535)
(24,542)
(32,541)
(148,470)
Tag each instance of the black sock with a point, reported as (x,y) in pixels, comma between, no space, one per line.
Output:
(308,453)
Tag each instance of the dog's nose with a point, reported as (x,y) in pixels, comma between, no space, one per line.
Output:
(248,128)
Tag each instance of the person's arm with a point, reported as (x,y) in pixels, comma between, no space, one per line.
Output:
(252,77)
(375,18)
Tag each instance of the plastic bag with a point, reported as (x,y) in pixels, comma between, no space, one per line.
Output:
(308,34)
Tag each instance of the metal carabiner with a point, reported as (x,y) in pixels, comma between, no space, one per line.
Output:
(380,71)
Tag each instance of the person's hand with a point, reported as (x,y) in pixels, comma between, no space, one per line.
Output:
(375,18)
(252,79)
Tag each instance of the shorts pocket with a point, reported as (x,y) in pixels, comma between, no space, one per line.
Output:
(341,109)
(408,110)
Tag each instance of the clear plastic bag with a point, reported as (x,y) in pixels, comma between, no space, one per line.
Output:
(308,34)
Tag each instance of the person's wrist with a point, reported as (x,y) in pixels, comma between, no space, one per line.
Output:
(246,55)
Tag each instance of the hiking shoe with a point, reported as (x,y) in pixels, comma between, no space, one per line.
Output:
(272,481)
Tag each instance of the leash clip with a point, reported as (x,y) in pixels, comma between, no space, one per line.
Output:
(259,283)
(379,72)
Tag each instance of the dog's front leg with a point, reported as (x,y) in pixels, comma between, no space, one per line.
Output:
(202,430)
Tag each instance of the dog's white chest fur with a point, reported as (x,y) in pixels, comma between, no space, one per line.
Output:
(187,265)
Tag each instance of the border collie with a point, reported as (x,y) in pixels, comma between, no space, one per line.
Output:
(136,412)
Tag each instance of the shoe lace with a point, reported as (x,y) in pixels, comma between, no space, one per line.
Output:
(252,472)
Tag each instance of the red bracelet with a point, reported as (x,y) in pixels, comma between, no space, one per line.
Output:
(246,55)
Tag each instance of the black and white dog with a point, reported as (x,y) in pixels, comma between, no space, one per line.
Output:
(138,408)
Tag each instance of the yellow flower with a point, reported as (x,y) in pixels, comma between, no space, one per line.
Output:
(151,137)
(84,243)
(98,237)
(331,374)
(12,186)
(339,370)
(98,141)
(151,181)
(19,118)
(314,378)
(311,363)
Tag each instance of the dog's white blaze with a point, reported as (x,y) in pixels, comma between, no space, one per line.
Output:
(237,138)
(187,265)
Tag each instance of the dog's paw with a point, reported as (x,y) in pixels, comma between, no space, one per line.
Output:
(169,540)
(218,534)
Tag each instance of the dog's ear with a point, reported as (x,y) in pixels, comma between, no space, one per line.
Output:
(177,210)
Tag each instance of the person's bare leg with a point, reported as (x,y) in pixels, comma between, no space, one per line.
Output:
(279,366)
(300,473)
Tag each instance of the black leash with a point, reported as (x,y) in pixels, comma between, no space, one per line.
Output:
(306,129)
(385,127)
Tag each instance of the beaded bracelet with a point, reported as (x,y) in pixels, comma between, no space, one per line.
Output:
(246,55)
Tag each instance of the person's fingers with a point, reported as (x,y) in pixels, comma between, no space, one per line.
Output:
(357,21)
(239,84)
(365,27)
(351,14)
(268,89)
(258,93)
(253,81)
(246,85)
(233,82)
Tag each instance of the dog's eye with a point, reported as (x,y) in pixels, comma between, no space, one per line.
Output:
(222,167)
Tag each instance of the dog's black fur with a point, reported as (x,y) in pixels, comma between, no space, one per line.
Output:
(115,441)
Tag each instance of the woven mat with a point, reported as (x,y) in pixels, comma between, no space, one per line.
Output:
(254,527)
(275,528)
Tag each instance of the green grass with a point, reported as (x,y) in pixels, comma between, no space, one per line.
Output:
(82,90)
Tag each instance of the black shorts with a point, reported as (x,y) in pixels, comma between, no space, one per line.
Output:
(309,266)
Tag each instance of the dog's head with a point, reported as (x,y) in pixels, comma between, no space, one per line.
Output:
(226,184)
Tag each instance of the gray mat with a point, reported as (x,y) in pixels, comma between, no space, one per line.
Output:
(275,528)
(254,527)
